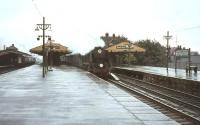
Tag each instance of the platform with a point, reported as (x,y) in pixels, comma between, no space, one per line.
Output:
(179,73)
(70,96)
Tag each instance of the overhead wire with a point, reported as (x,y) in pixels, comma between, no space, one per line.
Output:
(189,28)
(185,30)
(36,7)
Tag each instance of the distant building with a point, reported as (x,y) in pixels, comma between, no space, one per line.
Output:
(194,53)
(11,56)
(182,62)
(173,50)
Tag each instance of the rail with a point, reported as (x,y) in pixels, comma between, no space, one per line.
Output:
(184,104)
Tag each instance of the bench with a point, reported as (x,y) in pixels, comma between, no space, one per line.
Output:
(191,68)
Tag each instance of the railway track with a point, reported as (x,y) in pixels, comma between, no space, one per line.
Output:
(184,107)
(6,69)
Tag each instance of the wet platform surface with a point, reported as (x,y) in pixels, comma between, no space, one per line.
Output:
(70,96)
(179,73)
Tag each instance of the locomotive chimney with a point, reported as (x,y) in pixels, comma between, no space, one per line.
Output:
(107,35)
(113,35)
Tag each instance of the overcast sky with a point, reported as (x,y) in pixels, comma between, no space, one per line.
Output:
(78,24)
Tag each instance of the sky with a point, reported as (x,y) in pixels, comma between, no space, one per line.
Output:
(79,24)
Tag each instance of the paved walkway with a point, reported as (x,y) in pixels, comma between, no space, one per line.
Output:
(69,96)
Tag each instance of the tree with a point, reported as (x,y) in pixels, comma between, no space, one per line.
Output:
(129,57)
(155,54)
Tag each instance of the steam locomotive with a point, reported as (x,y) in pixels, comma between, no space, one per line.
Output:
(96,61)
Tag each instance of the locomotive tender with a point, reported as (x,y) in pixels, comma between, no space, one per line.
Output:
(96,61)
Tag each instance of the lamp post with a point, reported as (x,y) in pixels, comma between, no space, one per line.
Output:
(167,37)
(43,27)
(175,55)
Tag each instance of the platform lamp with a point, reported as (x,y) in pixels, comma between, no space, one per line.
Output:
(129,49)
(51,54)
(43,27)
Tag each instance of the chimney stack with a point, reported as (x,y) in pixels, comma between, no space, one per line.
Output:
(107,35)
(113,35)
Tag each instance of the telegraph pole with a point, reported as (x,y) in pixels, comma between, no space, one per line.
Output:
(175,59)
(43,47)
(43,27)
(189,59)
(167,37)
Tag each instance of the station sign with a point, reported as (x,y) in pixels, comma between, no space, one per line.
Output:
(182,53)
(124,46)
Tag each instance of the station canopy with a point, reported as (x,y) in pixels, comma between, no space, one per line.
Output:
(55,48)
(124,46)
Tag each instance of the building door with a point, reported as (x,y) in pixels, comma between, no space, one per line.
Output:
(19,60)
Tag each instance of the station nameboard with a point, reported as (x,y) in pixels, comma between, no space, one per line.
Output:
(125,46)
(182,53)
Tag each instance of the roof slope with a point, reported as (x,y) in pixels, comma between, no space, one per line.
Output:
(56,48)
(6,52)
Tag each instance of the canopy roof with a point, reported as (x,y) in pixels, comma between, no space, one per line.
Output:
(125,46)
(55,48)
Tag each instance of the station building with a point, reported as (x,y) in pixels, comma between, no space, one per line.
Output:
(11,56)
(119,47)
(182,62)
